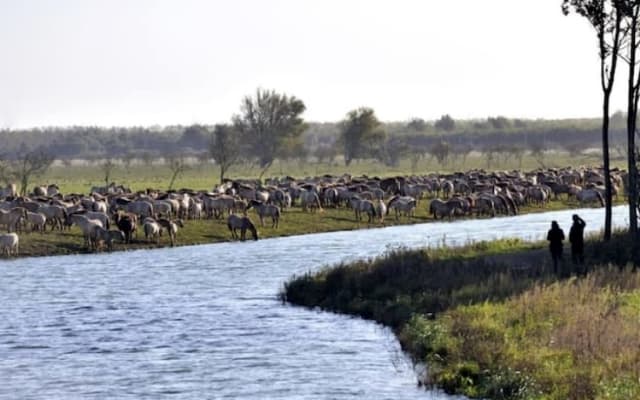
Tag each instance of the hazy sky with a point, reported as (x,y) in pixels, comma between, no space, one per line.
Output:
(139,62)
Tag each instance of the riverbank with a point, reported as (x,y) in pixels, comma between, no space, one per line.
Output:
(492,321)
(195,232)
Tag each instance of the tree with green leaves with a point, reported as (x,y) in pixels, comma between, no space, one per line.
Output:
(270,124)
(606,17)
(360,131)
(224,147)
(445,123)
(440,150)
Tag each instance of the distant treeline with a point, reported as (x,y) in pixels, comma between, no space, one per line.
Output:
(321,140)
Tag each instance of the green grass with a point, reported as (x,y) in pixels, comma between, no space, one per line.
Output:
(492,321)
(292,222)
(138,176)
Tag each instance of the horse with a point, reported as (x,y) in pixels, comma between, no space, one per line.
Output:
(12,218)
(9,191)
(441,208)
(485,205)
(127,224)
(151,229)
(216,206)
(243,223)
(404,204)
(55,214)
(381,209)
(589,195)
(9,243)
(171,228)
(266,210)
(101,235)
(37,220)
(363,206)
(310,200)
(86,226)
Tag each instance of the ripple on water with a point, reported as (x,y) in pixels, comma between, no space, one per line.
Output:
(205,322)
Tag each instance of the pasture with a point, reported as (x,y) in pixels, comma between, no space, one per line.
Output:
(338,193)
(293,222)
(80,176)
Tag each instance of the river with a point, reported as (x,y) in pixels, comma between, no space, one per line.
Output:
(204,322)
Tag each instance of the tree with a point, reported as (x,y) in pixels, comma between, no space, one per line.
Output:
(177,166)
(631,12)
(360,128)
(606,18)
(31,164)
(269,124)
(417,125)
(440,150)
(445,123)
(107,168)
(224,147)
(194,136)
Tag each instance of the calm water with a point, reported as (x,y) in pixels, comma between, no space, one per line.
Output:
(204,322)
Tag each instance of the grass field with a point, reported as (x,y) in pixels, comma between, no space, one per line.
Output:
(80,177)
(292,222)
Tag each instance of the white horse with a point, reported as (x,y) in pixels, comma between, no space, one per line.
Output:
(9,243)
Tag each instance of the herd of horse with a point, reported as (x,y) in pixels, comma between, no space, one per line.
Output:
(114,214)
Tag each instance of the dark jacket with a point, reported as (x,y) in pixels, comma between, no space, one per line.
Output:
(555,238)
(576,234)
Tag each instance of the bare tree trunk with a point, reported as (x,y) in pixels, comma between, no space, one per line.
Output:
(632,110)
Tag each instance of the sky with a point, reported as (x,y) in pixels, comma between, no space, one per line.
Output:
(160,62)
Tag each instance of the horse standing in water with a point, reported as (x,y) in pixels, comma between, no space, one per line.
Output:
(235,222)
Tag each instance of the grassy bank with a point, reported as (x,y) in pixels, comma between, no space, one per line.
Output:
(491,320)
(292,222)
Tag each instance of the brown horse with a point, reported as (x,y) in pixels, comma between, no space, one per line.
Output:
(235,222)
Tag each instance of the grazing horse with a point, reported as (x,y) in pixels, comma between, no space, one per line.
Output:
(9,243)
(86,226)
(235,222)
(266,210)
(101,235)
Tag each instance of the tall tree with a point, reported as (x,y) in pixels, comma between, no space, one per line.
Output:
(270,123)
(605,16)
(359,129)
(631,16)
(224,147)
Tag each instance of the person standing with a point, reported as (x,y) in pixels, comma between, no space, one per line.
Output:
(576,238)
(555,236)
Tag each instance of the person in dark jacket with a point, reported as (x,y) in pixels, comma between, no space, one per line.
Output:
(555,238)
(576,238)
